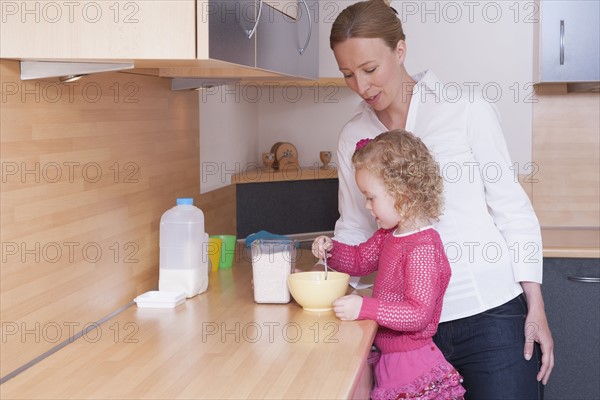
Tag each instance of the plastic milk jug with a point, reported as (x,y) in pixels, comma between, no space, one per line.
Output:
(183,250)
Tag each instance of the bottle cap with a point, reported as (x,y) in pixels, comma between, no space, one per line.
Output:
(185,201)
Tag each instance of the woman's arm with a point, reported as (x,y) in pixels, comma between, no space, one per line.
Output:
(507,202)
(355,224)
(514,216)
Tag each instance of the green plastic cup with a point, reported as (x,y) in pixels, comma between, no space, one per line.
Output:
(227,250)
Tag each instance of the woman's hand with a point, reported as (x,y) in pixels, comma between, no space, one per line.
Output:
(538,330)
(348,307)
(321,246)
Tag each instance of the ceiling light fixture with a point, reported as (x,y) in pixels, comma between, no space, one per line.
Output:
(67,70)
(200,83)
(70,78)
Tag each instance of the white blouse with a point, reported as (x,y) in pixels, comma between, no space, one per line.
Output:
(490,232)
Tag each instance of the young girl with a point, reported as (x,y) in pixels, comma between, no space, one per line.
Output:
(403,191)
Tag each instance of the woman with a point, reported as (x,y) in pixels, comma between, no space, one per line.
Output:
(493,320)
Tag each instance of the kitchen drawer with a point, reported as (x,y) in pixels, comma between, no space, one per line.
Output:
(572,298)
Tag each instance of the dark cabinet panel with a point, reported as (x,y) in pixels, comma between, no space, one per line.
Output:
(287,207)
(572,299)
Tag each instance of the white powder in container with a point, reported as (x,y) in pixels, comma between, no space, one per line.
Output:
(272,263)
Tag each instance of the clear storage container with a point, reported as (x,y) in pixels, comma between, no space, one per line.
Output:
(183,250)
(273,260)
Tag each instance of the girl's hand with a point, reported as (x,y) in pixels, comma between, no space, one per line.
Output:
(348,307)
(321,246)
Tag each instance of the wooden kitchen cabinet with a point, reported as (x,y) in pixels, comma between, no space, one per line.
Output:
(571,292)
(565,173)
(194,36)
(567,47)
(88,30)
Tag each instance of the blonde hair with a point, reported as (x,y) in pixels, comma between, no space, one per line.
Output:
(408,170)
(367,19)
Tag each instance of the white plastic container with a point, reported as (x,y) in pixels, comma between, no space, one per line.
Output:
(183,250)
(157,299)
(272,262)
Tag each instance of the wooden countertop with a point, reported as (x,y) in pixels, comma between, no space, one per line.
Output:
(290,173)
(217,345)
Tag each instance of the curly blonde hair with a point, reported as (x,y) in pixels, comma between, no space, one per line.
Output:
(408,170)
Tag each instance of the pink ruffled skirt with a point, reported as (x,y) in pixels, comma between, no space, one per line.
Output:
(422,374)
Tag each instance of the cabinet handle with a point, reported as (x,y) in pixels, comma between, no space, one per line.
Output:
(562,42)
(303,49)
(584,279)
(253,30)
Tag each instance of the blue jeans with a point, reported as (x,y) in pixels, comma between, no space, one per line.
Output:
(487,350)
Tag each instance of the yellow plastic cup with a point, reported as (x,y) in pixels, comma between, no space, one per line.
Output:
(214,252)
(227,250)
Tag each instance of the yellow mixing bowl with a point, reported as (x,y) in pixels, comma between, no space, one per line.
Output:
(313,292)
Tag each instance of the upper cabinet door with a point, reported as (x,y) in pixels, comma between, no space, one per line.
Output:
(201,34)
(231,32)
(98,30)
(569,41)
(276,46)
(308,38)
(286,45)
(287,7)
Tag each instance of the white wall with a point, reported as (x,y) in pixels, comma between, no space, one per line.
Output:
(484,45)
(479,45)
(228,135)
(239,123)
(308,117)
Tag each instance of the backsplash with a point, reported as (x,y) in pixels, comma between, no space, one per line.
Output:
(87,170)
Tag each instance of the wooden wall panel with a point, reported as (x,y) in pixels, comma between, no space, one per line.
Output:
(566,153)
(219,210)
(87,171)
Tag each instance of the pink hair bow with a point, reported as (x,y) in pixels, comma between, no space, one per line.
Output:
(362,143)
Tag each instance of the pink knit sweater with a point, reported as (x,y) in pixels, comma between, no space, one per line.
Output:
(407,295)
